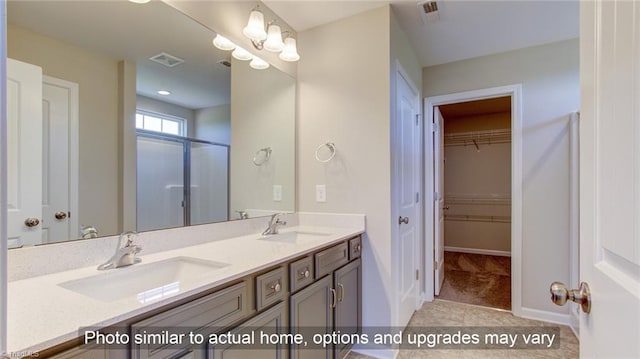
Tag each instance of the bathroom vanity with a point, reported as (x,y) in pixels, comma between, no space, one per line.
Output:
(305,280)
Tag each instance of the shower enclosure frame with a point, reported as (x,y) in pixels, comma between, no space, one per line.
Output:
(186,158)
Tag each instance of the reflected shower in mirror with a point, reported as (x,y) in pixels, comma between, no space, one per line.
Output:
(190,138)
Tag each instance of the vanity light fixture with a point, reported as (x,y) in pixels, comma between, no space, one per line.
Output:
(290,52)
(164,92)
(223,43)
(270,40)
(258,63)
(255,26)
(241,54)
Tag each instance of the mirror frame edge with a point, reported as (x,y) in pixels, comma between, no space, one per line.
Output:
(3,182)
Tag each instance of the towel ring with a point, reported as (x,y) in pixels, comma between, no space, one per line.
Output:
(265,159)
(332,149)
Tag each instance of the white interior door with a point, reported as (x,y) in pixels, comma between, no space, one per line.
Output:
(408,167)
(610,177)
(59,160)
(438,200)
(24,153)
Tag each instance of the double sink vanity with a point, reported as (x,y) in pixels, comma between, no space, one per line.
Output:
(222,278)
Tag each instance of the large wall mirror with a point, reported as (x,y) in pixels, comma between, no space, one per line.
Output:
(218,145)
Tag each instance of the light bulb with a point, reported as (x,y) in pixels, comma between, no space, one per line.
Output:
(274,39)
(258,63)
(241,54)
(223,43)
(290,52)
(255,26)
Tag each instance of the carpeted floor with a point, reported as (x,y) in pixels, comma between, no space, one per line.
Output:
(477,279)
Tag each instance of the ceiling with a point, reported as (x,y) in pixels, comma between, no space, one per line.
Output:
(124,30)
(465,29)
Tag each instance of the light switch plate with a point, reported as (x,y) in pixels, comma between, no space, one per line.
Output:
(277,192)
(321,193)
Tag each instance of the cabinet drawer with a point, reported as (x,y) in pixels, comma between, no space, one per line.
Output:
(301,273)
(271,287)
(220,309)
(355,248)
(330,259)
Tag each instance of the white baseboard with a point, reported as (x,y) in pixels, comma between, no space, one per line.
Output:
(490,252)
(551,317)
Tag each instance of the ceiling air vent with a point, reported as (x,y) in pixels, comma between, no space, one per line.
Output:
(225,62)
(429,11)
(166,59)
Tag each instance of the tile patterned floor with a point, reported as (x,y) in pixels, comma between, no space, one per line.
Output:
(446,313)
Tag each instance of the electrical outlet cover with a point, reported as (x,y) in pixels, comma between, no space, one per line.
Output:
(321,193)
(277,192)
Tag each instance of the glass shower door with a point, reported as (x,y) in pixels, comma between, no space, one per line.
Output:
(209,178)
(160,183)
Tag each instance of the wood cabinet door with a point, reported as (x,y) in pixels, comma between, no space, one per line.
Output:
(311,313)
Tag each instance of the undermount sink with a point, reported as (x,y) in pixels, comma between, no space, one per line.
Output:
(147,282)
(294,236)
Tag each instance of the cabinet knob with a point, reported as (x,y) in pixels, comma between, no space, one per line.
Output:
(276,287)
(305,273)
(358,247)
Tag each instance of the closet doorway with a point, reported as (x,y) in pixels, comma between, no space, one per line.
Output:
(473,160)
(476,153)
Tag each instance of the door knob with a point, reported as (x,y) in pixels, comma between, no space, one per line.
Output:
(60,215)
(402,220)
(31,222)
(560,294)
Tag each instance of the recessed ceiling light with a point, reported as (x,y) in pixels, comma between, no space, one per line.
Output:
(140,1)
(164,92)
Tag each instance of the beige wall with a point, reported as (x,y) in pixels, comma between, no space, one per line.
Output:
(262,115)
(97,77)
(473,173)
(549,75)
(214,124)
(344,80)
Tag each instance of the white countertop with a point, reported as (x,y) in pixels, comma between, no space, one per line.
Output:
(43,314)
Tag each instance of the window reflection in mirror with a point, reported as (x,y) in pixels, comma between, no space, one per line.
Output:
(209,133)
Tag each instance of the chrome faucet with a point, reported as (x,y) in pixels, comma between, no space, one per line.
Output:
(274,222)
(125,254)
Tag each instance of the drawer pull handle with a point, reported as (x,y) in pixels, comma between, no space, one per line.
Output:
(276,287)
(341,291)
(333,297)
(305,273)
